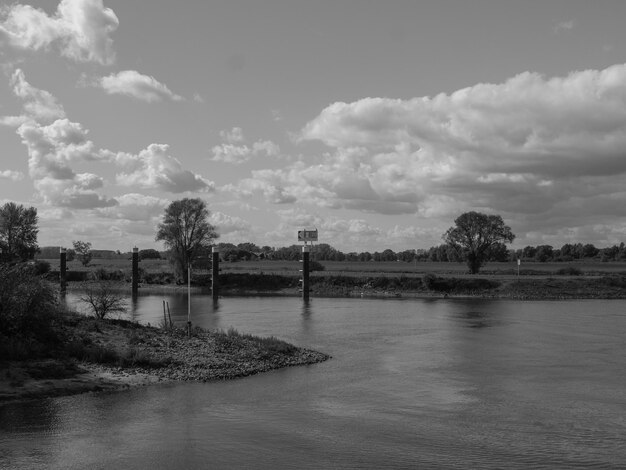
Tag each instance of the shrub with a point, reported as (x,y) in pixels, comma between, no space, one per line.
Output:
(28,306)
(101,274)
(429,280)
(569,271)
(103,300)
(614,281)
(452,284)
(315,266)
(157,278)
(40,267)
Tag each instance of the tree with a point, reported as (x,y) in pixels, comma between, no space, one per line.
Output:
(18,231)
(149,253)
(186,232)
(474,235)
(102,300)
(83,250)
(544,253)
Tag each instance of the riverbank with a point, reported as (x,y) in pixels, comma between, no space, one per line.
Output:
(107,355)
(553,288)
(430,286)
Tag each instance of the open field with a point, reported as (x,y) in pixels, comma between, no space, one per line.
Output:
(351,268)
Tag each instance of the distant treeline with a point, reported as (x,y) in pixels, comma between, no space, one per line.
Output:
(445,253)
(325,252)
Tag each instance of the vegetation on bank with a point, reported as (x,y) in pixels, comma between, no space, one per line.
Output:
(41,341)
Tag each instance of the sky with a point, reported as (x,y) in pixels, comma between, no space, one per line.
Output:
(376,123)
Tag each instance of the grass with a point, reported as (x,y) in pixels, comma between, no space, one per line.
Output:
(269,345)
(162,267)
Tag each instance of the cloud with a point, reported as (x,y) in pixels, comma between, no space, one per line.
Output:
(38,104)
(233,150)
(81,29)
(234,136)
(11,175)
(344,179)
(136,207)
(528,147)
(230,225)
(55,149)
(563,26)
(154,168)
(136,85)
(51,151)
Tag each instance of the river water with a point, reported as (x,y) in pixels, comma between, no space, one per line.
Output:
(412,384)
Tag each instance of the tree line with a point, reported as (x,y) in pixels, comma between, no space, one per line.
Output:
(441,253)
(187,235)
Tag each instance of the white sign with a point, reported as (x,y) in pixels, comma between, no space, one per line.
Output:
(307,235)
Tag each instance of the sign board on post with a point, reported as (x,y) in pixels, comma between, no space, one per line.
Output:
(307,235)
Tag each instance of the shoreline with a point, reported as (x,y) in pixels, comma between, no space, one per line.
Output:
(133,355)
(562,287)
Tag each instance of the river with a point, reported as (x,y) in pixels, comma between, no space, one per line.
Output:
(413,383)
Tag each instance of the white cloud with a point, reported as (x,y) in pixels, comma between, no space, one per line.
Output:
(81,29)
(523,147)
(136,85)
(154,168)
(55,149)
(136,207)
(230,225)
(52,150)
(11,175)
(13,121)
(233,150)
(234,136)
(38,104)
(563,26)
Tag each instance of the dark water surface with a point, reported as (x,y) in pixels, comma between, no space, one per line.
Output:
(412,384)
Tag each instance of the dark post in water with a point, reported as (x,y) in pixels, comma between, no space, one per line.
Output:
(63,269)
(305,272)
(135,284)
(215,275)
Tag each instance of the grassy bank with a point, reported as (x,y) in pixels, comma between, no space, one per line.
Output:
(46,351)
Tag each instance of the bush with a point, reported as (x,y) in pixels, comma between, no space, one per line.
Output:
(158,278)
(28,310)
(40,267)
(569,271)
(103,300)
(101,274)
(614,281)
(452,284)
(429,280)
(315,266)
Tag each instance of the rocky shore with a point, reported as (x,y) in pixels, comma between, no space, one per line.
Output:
(118,354)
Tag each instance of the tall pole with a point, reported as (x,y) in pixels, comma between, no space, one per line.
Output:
(305,272)
(215,275)
(188,297)
(135,283)
(63,269)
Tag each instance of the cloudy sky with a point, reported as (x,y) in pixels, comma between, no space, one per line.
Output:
(375,122)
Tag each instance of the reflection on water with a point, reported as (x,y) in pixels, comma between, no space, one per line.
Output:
(477,319)
(412,383)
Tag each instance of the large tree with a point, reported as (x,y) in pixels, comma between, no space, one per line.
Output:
(475,235)
(83,250)
(18,231)
(186,232)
